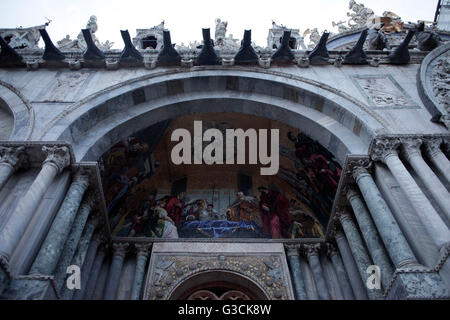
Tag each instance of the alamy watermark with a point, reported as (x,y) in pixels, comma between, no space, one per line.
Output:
(213,153)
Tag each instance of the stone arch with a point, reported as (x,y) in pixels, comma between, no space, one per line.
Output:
(339,122)
(212,278)
(14,104)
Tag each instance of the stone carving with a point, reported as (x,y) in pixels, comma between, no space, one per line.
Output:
(64,86)
(433,146)
(311,249)
(221,41)
(382,91)
(440,81)
(120,249)
(411,146)
(23,38)
(426,40)
(358,14)
(14,156)
(384,147)
(276,33)
(168,270)
(143,249)
(79,43)
(314,37)
(58,156)
(341,26)
(151,38)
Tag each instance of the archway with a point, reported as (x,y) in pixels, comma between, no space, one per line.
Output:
(218,285)
(339,122)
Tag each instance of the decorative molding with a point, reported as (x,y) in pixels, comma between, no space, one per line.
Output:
(266,270)
(384,147)
(14,157)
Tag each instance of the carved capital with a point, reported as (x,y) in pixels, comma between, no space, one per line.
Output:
(331,249)
(120,249)
(291,250)
(14,157)
(433,147)
(351,192)
(384,148)
(411,147)
(341,213)
(143,249)
(57,156)
(81,177)
(339,234)
(357,171)
(311,249)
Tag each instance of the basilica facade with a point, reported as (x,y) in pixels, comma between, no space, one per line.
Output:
(93,205)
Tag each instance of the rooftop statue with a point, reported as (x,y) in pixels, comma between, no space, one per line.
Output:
(314,37)
(79,43)
(359,14)
(23,38)
(221,40)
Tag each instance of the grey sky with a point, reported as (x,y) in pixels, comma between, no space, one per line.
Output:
(186,18)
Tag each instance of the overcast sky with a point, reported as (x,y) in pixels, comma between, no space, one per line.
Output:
(186,18)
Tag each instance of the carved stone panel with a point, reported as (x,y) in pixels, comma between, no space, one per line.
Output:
(383,92)
(266,269)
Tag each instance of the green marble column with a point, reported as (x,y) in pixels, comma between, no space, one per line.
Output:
(372,239)
(112,283)
(393,239)
(139,274)
(297,277)
(51,248)
(80,254)
(344,282)
(72,241)
(312,252)
(94,273)
(359,252)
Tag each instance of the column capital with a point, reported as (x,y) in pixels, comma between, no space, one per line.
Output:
(433,146)
(384,148)
(292,250)
(120,249)
(311,249)
(81,177)
(59,156)
(351,192)
(331,249)
(411,147)
(143,249)
(16,157)
(342,214)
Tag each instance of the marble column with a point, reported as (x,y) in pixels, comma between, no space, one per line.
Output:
(139,274)
(393,239)
(71,244)
(101,281)
(12,159)
(94,273)
(359,288)
(372,239)
(344,282)
(312,253)
(52,247)
(119,252)
(297,278)
(57,159)
(308,279)
(411,151)
(386,151)
(438,158)
(81,253)
(359,251)
(97,239)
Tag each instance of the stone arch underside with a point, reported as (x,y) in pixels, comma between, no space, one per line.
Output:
(16,114)
(92,126)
